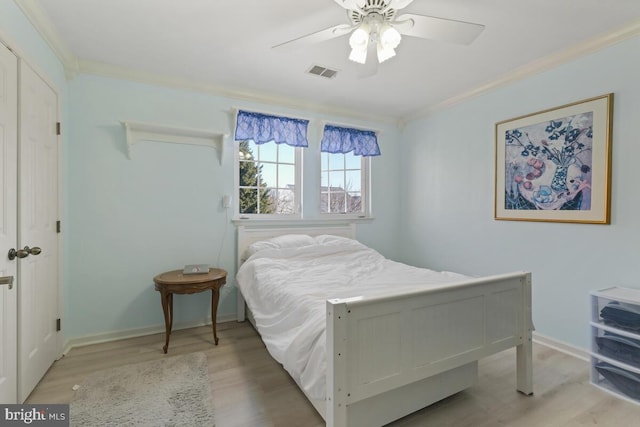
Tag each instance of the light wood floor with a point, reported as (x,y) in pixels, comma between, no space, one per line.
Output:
(250,389)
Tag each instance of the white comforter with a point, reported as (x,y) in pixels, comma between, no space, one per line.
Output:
(286,289)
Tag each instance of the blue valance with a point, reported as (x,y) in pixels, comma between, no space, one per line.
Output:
(261,128)
(337,139)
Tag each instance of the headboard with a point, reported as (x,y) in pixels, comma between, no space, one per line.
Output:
(248,234)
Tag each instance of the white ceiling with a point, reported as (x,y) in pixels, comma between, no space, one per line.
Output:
(225,46)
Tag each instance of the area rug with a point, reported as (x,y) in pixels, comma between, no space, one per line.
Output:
(173,391)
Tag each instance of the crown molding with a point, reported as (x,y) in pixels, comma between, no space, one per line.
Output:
(41,22)
(73,65)
(113,71)
(535,67)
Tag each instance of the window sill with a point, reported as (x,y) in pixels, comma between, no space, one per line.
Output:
(301,221)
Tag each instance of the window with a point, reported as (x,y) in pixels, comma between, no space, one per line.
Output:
(344,184)
(269,153)
(268,167)
(344,170)
(268,179)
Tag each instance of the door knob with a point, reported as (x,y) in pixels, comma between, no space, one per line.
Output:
(23,253)
(20,253)
(7,280)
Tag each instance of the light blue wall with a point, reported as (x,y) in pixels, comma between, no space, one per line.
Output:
(17,31)
(448,205)
(132,219)
(126,220)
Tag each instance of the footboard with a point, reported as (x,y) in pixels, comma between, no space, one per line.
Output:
(385,354)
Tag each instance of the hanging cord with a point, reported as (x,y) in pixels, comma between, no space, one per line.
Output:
(224,235)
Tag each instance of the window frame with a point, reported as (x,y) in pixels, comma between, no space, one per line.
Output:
(365,191)
(298,162)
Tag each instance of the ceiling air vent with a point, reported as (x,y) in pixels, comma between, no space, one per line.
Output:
(322,71)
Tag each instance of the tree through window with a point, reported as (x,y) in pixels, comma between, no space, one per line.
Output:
(267,178)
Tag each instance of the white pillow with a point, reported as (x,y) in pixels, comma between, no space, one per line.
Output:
(279,242)
(293,240)
(258,246)
(329,239)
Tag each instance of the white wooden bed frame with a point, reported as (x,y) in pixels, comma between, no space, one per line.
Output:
(389,356)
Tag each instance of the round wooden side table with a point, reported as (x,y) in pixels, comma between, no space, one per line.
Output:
(175,282)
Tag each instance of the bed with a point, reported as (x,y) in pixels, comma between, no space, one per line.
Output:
(386,352)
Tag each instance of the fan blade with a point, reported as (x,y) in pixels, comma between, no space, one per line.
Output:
(441,29)
(351,4)
(317,37)
(399,4)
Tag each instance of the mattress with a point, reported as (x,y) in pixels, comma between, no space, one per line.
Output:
(287,280)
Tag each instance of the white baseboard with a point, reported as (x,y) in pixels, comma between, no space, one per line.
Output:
(137,332)
(577,352)
(569,349)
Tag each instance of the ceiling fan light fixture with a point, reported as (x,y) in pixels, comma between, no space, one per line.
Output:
(359,42)
(376,29)
(360,37)
(358,55)
(385,52)
(389,36)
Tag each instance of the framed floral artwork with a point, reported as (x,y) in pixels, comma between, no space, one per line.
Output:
(555,165)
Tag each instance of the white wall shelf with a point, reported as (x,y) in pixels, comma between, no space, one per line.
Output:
(139,131)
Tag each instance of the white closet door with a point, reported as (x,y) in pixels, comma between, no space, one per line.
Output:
(38,213)
(8,223)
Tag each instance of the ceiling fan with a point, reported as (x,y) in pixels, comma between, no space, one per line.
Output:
(375,29)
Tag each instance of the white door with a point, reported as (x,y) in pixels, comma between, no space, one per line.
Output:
(38,213)
(8,224)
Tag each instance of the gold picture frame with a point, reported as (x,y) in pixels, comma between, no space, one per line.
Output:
(555,165)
